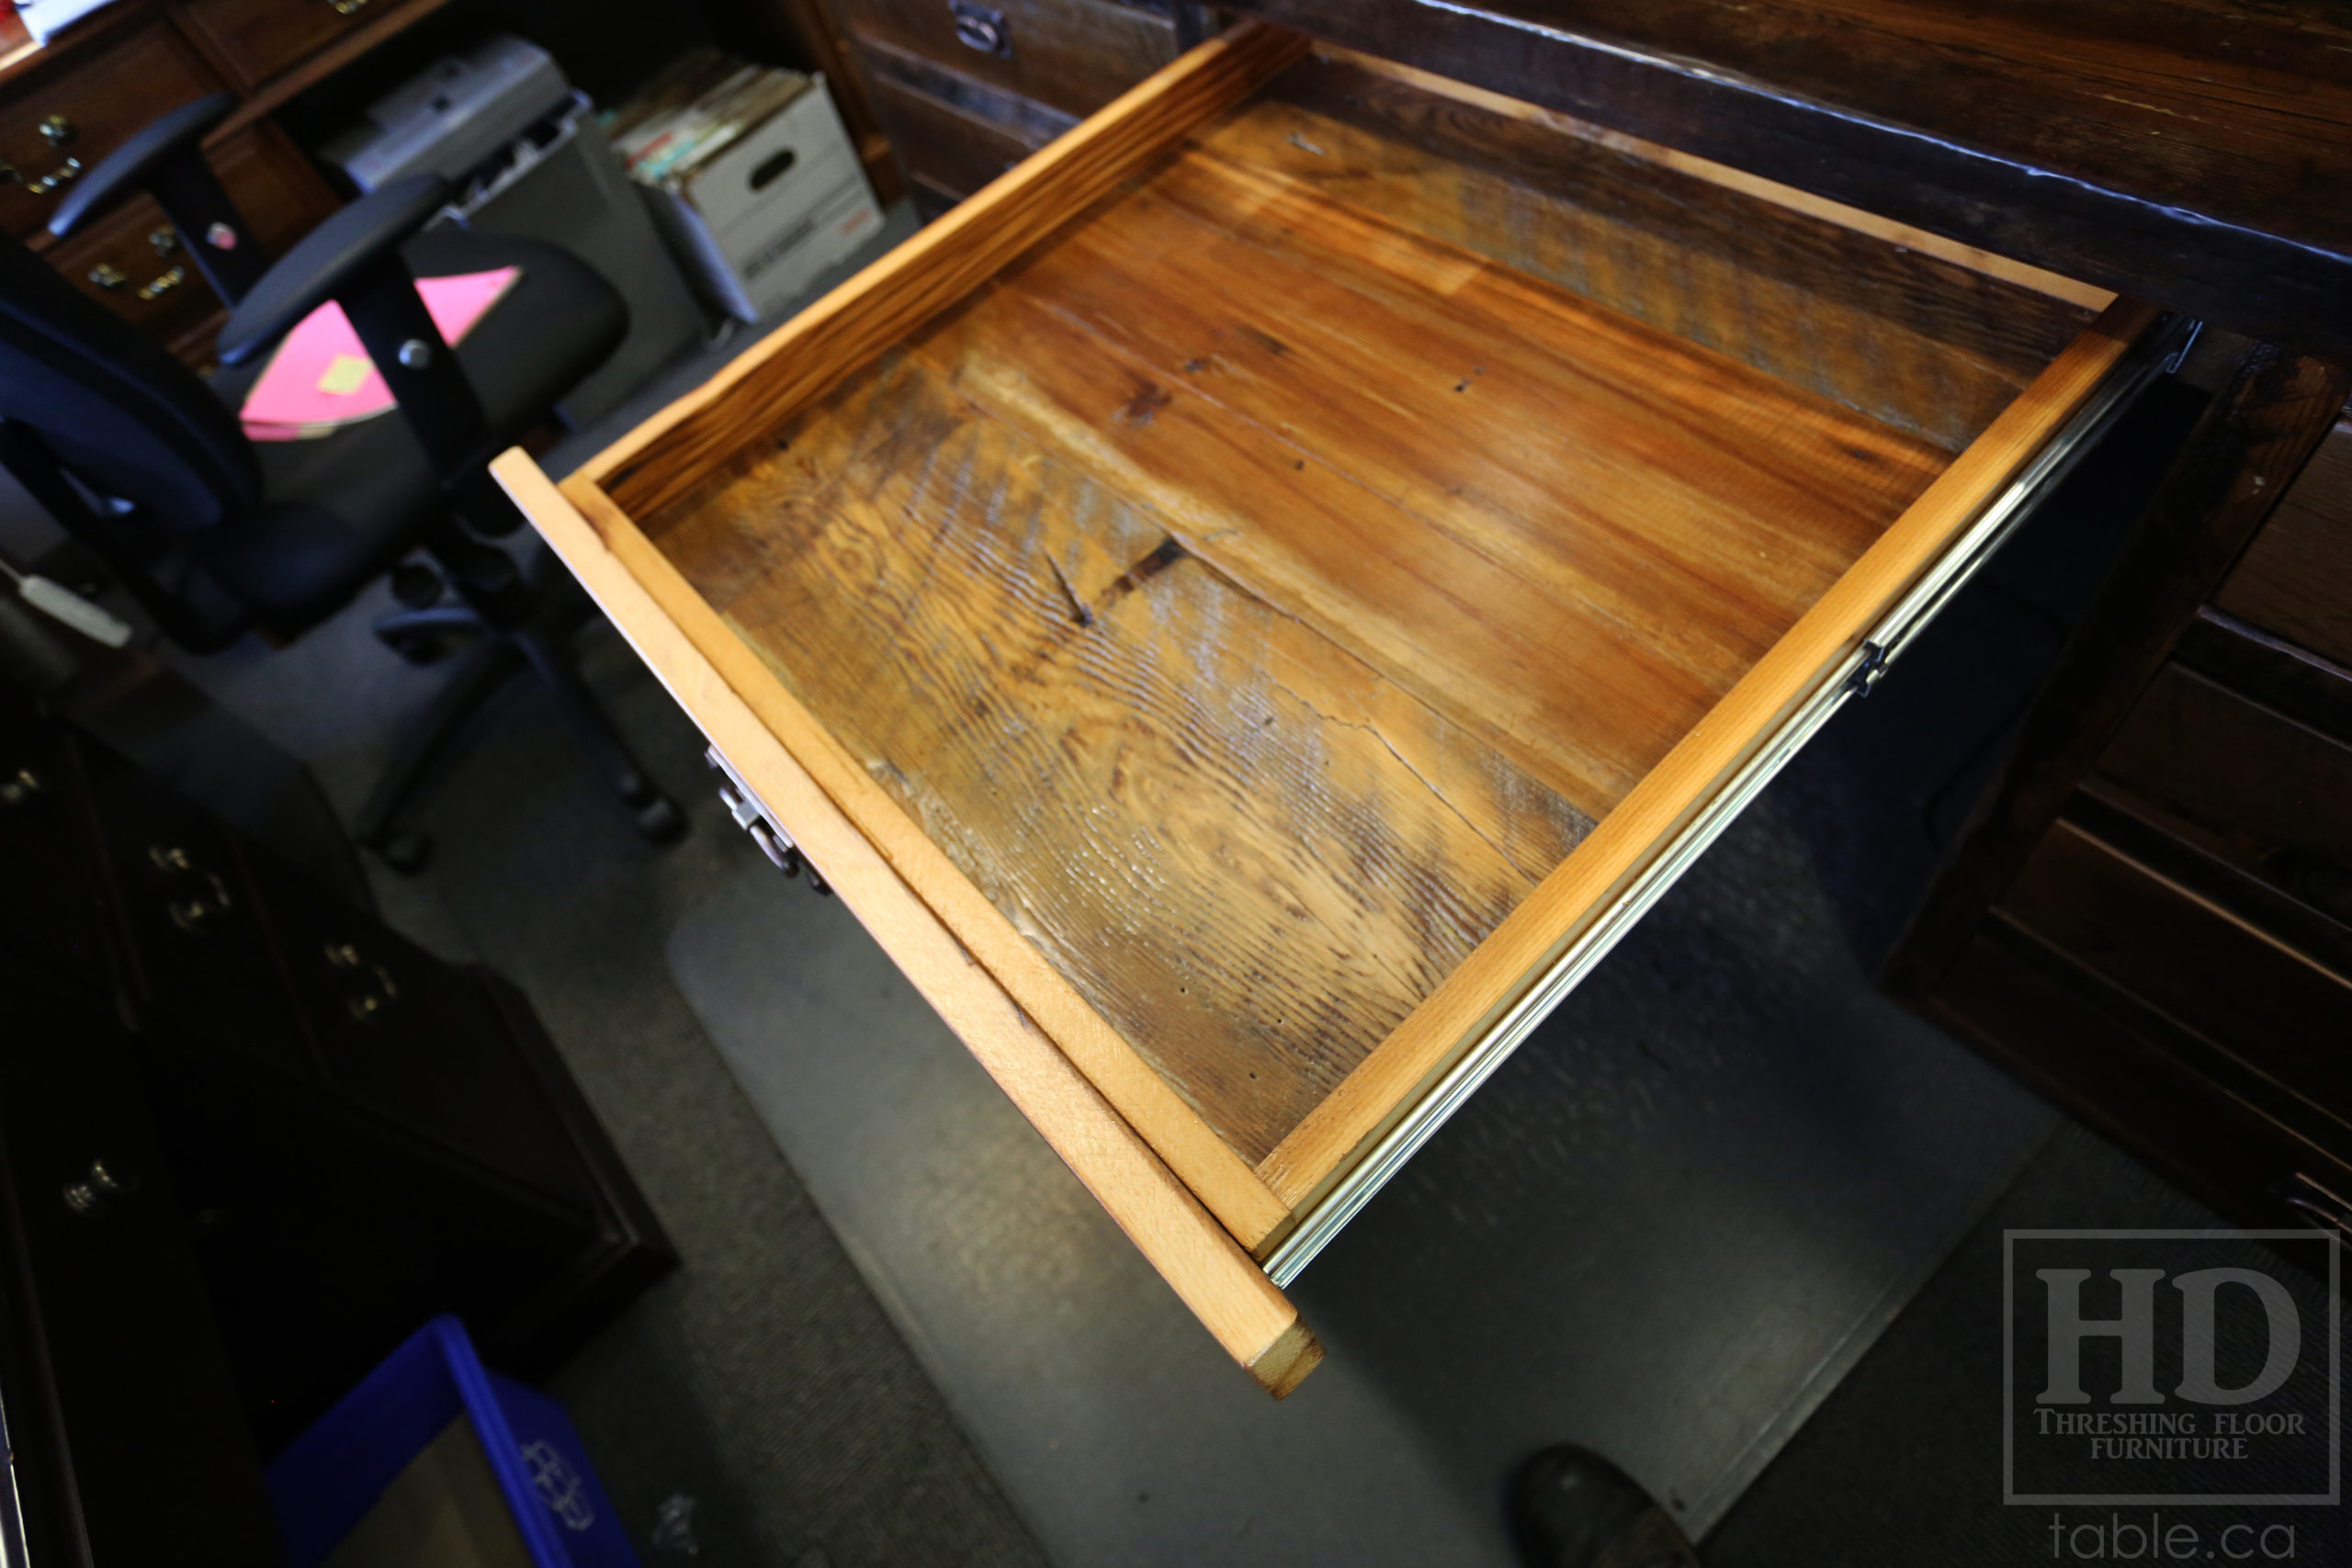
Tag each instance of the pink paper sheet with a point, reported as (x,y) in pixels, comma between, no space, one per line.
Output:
(293,399)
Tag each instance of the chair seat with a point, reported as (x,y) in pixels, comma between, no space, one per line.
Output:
(338,511)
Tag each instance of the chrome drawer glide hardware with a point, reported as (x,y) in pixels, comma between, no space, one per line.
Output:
(1866,673)
(752,816)
(2162,345)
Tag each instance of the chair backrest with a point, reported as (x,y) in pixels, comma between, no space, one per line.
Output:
(117,411)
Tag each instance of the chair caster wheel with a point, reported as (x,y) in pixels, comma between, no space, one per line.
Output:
(661,822)
(404,853)
(421,650)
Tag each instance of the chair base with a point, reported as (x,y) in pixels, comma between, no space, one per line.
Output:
(538,639)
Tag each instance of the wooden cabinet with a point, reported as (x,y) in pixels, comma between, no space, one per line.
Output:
(341,1135)
(1071,55)
(255,39)
(2151,916)
(52,122)
(1248,608)
(967,89)
(65,106)
(949,149)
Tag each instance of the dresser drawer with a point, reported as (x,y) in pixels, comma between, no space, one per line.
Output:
(949,151)
(136,264)
(2295,580)
(49,919)
(414,1039)
(201,956)
(1074,55)
(1250,606)
(78,115)
(2247,784)
(254,39)
(2213,973)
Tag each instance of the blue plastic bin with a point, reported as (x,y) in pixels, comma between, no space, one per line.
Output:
(333,1473)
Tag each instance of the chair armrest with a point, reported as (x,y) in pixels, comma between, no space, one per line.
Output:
(129,167)
(335,256)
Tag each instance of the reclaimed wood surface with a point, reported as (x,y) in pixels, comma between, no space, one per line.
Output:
(1647,821)
(1158,1212)
(2194,152)
(1271,569)
(801,360)
(1931,339)
(1269,589)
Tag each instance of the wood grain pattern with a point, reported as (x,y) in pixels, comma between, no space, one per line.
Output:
(1774,193)
(809,354)
(1927,343)
(1207,1164)
(1228,607)
(2228,979)
(2148,1087)
(2245,782)
(1461,1011)
(2295,580)
(1076,55)
(1248,851)
(950,147)
(1562,532)
(106,95)
(253,40)
(1255,1324)
(2176,151)
(1565,532)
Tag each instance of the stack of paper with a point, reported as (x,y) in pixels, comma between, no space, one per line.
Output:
(46,18)
(696,109)
(321,379)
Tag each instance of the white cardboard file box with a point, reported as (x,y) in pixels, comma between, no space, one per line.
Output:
(751,175)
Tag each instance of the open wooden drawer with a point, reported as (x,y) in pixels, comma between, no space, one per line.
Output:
(1247,608)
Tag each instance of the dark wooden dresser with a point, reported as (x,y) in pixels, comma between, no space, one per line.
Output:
(64,108)
(2150,917)
(967,89)
(250,1139)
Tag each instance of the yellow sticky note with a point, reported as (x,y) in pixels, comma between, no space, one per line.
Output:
(345,375)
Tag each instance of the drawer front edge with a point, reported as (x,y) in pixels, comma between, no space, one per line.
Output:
(1162,1214)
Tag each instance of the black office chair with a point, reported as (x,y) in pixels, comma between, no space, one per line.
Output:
(145,463)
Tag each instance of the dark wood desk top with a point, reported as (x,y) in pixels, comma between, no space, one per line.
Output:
(2196,153)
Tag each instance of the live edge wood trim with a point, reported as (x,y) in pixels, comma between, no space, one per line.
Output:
(1467,1003)
(1209,1270)
(663,458)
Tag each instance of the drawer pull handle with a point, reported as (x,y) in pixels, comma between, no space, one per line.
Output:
(156,287)
(57,131)
(346,7)
(164,239)
(378,991)
(94,1193)
(106,274)
(19,787)
(749,816)
(200,911)
(2307,1196)
(65,174)
(982,27)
